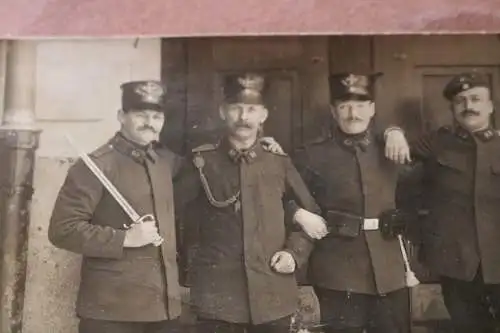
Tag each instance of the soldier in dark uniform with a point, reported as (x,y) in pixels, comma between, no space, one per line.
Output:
(357,270)
(128,285)
(460,235)
(241,274)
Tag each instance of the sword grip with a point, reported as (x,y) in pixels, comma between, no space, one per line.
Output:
(146,218)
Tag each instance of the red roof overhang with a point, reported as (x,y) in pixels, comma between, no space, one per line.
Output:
(183,18)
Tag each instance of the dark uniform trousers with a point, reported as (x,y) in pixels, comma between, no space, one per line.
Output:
(473,305)
(346,312)
(104,326)
(281,325)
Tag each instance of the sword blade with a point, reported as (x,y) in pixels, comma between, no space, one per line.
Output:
(113,191)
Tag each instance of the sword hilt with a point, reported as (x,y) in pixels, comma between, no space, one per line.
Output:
(146,218)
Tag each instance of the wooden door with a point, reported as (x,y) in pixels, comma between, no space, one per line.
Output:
(416,70)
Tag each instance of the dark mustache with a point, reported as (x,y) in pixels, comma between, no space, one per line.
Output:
(469,112)
(144,128)
(243,125)
(354,119)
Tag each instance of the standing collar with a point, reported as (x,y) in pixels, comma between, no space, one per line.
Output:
(137,152)
(238,156)
(483,135)
(360,140)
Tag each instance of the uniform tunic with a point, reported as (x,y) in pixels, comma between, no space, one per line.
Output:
(462,230)
(117,283)
(350,174)
(230,274)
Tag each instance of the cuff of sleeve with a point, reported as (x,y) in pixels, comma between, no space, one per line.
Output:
(300,249)
(294,256)
(391,128)
(120,239)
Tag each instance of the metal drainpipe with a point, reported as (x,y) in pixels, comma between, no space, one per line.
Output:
(18,143)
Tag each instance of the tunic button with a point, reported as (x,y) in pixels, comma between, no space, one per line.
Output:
(135,153)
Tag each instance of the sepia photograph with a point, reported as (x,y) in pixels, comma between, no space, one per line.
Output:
(277,169)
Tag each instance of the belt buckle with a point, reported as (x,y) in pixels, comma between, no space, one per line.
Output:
(370,224)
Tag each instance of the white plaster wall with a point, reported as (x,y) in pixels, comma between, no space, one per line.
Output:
(77,92)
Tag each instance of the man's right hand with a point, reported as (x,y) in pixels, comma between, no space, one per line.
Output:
(397,148)
(141,234)
(312,224)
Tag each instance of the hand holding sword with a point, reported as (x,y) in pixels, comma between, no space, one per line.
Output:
(143,228)
(142,234)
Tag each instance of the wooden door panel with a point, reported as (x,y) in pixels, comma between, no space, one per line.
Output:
(256,53)
(174,74)
(283,101)
(435,109)
(459,50)
(202,119)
